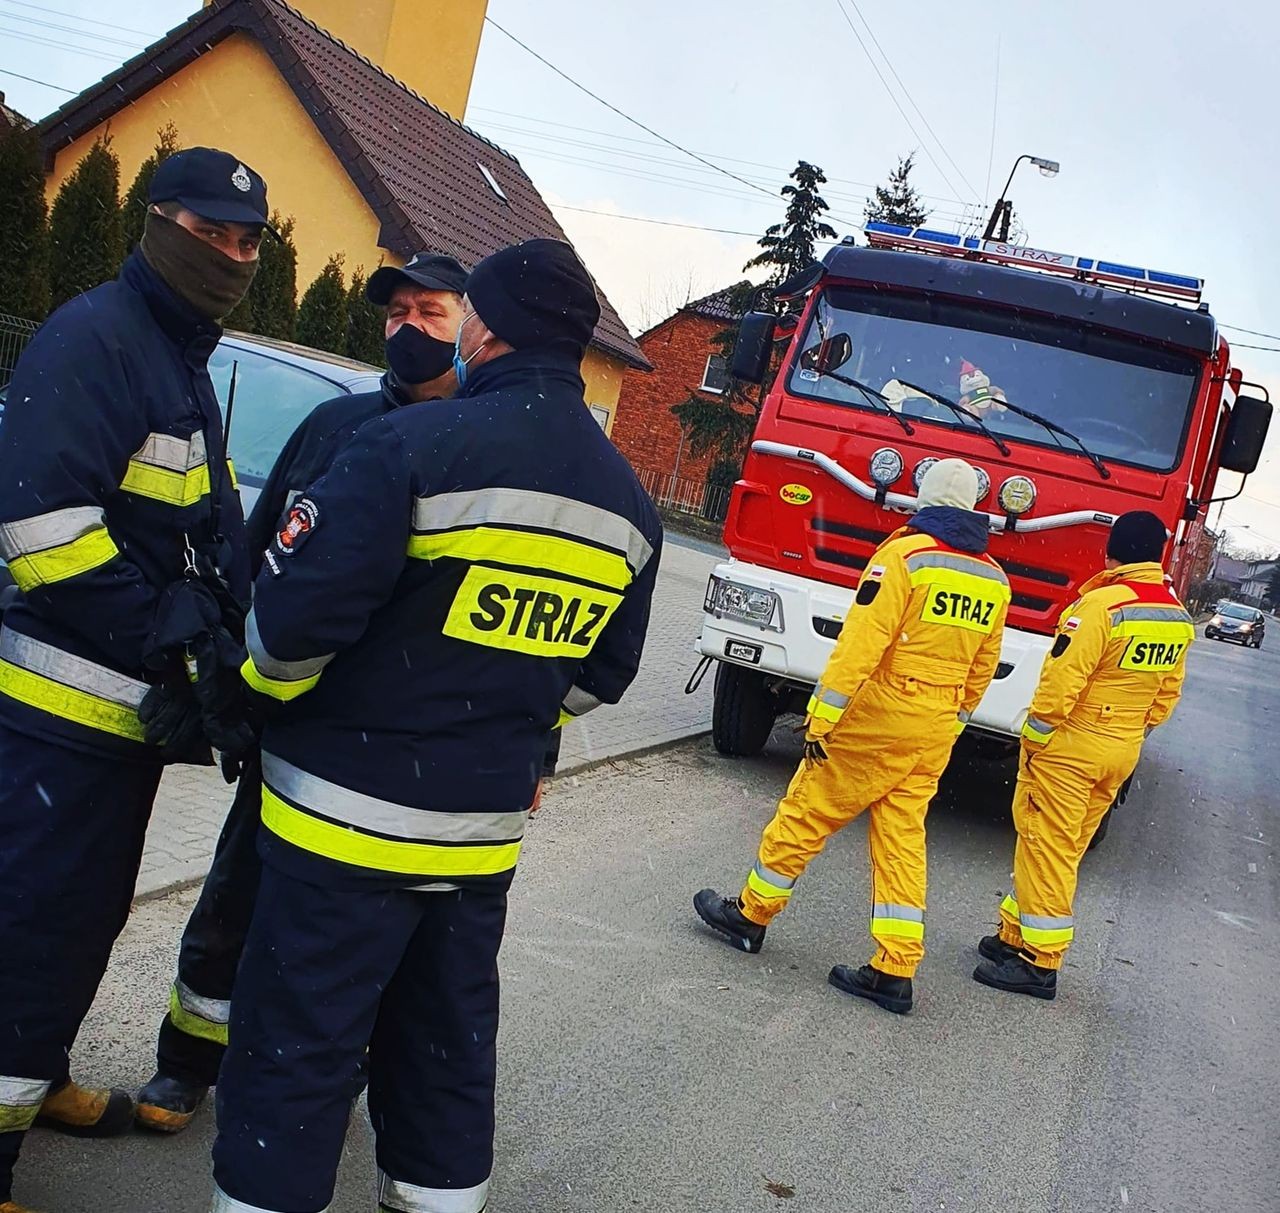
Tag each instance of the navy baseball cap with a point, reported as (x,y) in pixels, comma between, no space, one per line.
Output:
(431,271)
(212,184)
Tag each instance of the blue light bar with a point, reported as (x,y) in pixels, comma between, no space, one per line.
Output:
(1085,269)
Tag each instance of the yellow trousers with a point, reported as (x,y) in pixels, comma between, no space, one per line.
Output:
(1064,790)
(885,756)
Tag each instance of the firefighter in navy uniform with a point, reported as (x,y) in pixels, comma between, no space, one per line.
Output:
(122,527)
(423,302)
(467,575)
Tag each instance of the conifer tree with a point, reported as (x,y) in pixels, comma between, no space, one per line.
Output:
(85,239)
(789,246)
(897,201)
(24,244)
(133,210)
(366,324)
(322,314)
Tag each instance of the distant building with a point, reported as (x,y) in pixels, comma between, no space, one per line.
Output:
(351,111)
(1249,579)
(686,363)
(9,117)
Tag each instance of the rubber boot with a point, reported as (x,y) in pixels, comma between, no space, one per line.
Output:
(992,947)
(87,1111)
(1018,975)
(725,915)
(167,1104)
(891,993)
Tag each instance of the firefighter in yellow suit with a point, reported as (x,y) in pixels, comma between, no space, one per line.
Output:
(915,656)
(1115,672)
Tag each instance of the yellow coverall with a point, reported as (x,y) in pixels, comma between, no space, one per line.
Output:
(1115,671)
(915,656)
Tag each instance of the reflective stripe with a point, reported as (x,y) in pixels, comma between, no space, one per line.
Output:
(529,549)
(579,702)
(169,469)
(953,563)
(1046,931)
(826,704)
(282,680)
(20,1100)
(45,531)
(81,555)
(348,846)
(1152,614)
(1010,905)
(769,884)
(527,508)
(65,685)
(1038,730)
(222,1203)
(204,1018)
(410,1198)
(903,922)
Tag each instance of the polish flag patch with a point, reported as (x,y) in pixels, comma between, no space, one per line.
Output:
(1072,624)
(876,570)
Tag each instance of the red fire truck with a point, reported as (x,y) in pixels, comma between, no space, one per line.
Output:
(1078,388)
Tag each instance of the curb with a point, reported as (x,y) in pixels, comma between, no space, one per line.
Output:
(581,768)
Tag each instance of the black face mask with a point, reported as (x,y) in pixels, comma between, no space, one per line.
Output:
(417,358)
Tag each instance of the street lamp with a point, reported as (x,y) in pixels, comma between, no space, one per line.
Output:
(1048,168)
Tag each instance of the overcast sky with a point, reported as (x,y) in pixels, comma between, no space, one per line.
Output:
(1159,111)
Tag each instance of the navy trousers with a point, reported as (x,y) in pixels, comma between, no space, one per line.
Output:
(71,832)
(194,1032)
(326,974)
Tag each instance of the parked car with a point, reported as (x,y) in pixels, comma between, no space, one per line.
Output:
(277,384)
(1238,623)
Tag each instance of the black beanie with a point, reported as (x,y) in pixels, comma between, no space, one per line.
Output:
(1137,538)
(535,294)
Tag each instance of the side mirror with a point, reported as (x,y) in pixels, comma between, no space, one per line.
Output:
(754,347)
(1246,432)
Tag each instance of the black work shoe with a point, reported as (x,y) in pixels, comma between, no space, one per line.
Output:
(87,1111)
(167,1104)
(992,947)
(891,993)
(1019,976)
(723,914)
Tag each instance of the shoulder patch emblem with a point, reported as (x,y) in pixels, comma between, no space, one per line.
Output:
(299,525)
(1072,624)
(876,570)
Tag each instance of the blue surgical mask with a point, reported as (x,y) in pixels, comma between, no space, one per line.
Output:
(459,362)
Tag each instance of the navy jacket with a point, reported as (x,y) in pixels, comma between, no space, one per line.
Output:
(469,573)
(111,462)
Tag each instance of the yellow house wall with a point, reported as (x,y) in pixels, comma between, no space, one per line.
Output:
(603,377)
(232,97)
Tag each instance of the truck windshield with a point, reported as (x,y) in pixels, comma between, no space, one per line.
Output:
(1127,402)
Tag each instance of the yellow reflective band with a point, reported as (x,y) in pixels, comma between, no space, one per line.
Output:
(1010,905)
(276,688)
(900,928)
(564,719)
(823,711)
(1173,630)
(960,600)
(762,888)
(1047,936)
(192,1024)
(555,553)
(79,706)
(1031,733)
(160,484)
(526,613)
(67,560)
(19,1118)
(231,468)
(960,725)
(345,845)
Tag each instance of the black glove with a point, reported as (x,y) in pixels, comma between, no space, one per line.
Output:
(170,719)
(815,753)
(225,707)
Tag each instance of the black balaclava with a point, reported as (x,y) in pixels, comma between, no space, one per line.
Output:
(205,277)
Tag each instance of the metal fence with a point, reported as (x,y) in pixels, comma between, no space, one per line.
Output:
(686,496)
(14,335)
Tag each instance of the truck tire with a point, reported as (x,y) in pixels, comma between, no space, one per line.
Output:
(743,711)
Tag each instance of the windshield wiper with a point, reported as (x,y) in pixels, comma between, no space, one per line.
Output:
(1054,428)
(963,413)
(871,394)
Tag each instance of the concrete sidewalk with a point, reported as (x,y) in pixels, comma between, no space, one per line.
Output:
(193,800)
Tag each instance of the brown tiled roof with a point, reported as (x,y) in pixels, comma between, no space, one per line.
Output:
(722,305)
(10,116)
(417,168)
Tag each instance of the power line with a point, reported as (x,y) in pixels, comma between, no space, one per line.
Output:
(4,71)
(909,97)
(71,29)
(853,29)
(1235,328)
(37,40)
(54,12)
(1240,345)
(695,227)
(634,121)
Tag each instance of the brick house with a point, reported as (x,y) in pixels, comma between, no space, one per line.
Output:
(685,362)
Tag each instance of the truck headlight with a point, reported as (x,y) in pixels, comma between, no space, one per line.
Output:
(746,602)
(1017,495)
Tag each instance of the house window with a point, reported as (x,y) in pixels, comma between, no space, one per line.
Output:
(601,414)
(715,378)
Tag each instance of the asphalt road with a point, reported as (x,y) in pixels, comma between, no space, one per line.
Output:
(646,1066)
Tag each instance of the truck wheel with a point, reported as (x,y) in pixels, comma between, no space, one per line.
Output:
(742,712)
